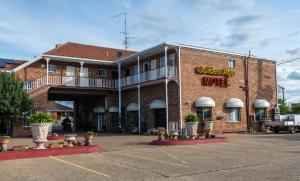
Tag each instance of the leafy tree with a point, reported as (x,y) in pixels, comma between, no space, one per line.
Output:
(295,109)
(14,100)
(284,109)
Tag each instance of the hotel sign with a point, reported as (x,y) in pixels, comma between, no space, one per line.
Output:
(215,81)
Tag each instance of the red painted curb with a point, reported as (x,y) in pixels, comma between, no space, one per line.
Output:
(32,153)
(190,142)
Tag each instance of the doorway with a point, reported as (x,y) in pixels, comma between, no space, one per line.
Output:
(69,79)
(101,122)
(160,118)
(84,77)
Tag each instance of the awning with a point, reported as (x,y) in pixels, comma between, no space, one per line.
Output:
(261,103)
(132,107)
(205,102)
(113,109)
(234,102)
(157,104)
(99,109)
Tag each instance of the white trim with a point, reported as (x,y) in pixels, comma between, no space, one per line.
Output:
(86,60)
(166,89)
(180,96)
(119,90)
(139,92)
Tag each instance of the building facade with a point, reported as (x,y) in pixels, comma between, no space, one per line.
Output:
(157,87)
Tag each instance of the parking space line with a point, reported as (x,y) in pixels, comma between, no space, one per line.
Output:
(173,156)
(151,159)
(78,166)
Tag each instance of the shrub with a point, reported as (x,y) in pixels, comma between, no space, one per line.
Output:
(190,117)
(40,117)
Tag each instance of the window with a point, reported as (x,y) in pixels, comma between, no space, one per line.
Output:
(204,113)
(234,114)
(102,72)
(162,61)
(127,72)
(231,63)
(51,68)
(260,114)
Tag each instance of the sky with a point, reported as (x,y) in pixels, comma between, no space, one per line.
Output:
(269,28)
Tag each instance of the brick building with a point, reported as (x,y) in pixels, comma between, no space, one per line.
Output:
(157,86)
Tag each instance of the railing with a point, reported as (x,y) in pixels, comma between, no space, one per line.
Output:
(154,74)
(70,81)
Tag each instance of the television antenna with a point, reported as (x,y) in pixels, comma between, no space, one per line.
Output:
(125,32)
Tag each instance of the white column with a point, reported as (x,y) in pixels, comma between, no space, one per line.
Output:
(119,89)
(139,93)
(47,67)
(179,84)
(81,68)
(166,89)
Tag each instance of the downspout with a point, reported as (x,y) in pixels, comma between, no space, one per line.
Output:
(179,83)
(139,93)
(166,89)
(120,96)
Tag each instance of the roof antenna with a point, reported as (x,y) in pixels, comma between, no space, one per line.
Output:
(125,33)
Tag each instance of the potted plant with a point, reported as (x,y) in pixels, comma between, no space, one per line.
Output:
(40,123)
(161,133)
(208,126)
(3,143)
(191,122)
(88,136)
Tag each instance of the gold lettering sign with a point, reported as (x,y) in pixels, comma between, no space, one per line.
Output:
(212,71)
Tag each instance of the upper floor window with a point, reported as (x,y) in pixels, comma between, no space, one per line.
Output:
(103,72)
(162,61)
(51,68)
(231,63)
(127,72)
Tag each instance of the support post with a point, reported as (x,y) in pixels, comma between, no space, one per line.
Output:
(139,93)
(47,71)
(179,85)
(166,89)
(120,96)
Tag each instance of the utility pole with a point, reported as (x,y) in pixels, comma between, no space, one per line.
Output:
(246,88)
(282,91)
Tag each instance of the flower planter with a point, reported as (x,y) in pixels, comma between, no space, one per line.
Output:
(208,126)
(39,134)
(174,134)
(88,139)
(3,144)
(191,128)
(161,135)
(70,138)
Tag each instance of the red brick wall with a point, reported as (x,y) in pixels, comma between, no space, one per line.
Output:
(193,89)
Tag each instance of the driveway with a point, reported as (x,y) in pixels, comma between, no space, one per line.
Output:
(130,157)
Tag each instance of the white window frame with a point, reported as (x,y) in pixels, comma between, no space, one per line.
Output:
(231,110)
(103,72)
(232,64)
(51,68)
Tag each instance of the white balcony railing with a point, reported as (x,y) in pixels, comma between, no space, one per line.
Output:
(151,75)
(70,81)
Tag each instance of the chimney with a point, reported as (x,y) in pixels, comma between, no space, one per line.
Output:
(57,45)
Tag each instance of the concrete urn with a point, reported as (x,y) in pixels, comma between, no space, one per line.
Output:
(192,129)
(39,134)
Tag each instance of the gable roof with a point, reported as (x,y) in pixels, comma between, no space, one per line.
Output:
(9,64)
(78,50)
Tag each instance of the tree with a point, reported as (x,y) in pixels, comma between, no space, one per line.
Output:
(295,109)
(14,100)
(284,109)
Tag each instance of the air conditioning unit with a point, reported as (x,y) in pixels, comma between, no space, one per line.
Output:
(276,110)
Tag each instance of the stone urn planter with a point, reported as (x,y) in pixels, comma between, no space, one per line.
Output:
(3,143)
(191,123)
(88,138)
(40,123)
(192,129)
(174,134)
(267,125)
(39,134)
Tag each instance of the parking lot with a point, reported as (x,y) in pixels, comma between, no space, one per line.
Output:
(130,157)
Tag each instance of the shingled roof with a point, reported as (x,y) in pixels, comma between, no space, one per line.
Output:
(78,50)
(9,64)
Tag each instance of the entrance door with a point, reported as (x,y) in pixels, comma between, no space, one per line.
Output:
(146,71)
(84,77)
(101,123)
(70,76)
(160,118)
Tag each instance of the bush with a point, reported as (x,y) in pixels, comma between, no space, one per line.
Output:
(190,117)
(40,117)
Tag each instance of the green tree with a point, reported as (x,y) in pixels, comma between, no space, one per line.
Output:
(295,109)
(14,100)
(284,109)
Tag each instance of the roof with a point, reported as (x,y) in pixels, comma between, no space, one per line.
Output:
(52,106)
(9,64)
(78,50)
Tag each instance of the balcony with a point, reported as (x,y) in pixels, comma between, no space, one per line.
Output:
(154,74)
(56,80)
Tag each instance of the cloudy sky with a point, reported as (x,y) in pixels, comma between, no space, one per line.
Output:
(269,28)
